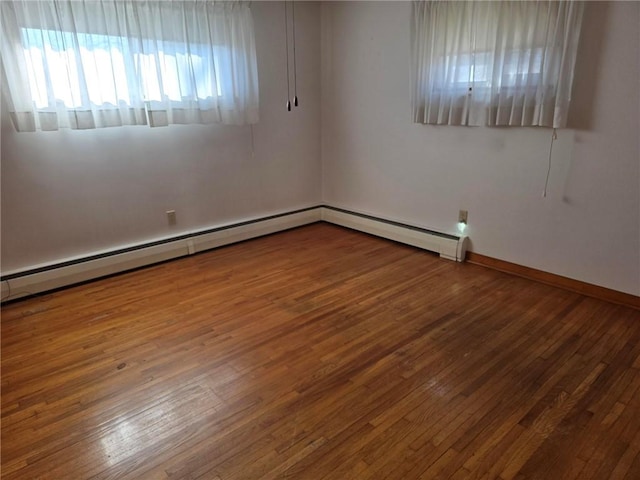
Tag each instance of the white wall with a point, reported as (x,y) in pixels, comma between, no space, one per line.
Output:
(376,161)
(72,193)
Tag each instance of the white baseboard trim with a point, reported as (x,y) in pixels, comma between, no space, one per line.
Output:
(451,247)
(62,274)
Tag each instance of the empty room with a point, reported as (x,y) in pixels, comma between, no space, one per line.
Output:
(320,240)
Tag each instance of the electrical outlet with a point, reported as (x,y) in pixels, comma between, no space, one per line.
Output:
(462,216)
(171,217)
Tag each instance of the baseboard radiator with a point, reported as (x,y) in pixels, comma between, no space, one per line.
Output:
(451,247)
(43,278)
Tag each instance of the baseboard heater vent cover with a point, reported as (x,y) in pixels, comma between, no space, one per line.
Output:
(61,274)
(451,247)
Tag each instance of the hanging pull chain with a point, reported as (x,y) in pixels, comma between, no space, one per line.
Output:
(286,36)
(295,68)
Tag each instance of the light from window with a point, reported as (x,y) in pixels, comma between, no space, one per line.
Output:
(494,63)
(85,65)
(475,69)
(98,62)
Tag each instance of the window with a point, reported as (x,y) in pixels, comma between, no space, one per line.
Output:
(124,62)
(494,63)
(519,67)
(103,56)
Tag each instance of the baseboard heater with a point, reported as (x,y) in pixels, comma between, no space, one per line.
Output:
(43,278)
(49,277)
(451,247)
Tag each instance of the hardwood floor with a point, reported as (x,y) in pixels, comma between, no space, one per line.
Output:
(319,353)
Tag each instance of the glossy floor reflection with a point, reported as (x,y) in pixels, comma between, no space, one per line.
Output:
(319,353)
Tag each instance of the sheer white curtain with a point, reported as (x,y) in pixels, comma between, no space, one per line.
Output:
(104,63)
(494,63)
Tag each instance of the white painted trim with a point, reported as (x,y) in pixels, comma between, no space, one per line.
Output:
(449,248)
(81,271)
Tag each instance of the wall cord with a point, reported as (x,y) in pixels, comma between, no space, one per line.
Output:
(554,136)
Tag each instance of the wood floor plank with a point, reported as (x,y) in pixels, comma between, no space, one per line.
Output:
(319,353)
